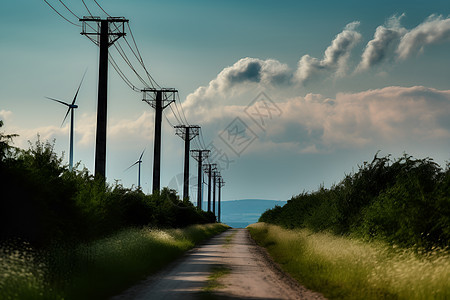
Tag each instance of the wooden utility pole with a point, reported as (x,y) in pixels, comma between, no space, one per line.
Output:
(221,184)
(215,176)
(106,36)
(200,156)
(209,169)
(159,100)
(187,133)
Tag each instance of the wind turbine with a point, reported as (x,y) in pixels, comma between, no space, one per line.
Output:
(71,107)
(139,161)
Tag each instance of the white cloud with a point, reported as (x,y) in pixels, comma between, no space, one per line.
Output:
(335,56)
(246,71)
(5,115)
(392,114)
(390,41)
(121,132)
(131,131)
(85,130)
(47,133)
(433,30)
(315,123)
(383,44)
(249,72)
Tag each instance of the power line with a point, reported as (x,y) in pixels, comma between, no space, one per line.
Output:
(196,144)
(179,115)
(61,14)
(202,140)
(182,111)
(183,121)
(168,121)
(128,62)
(121,51)
(122,75)
(141,60)
(71,13)
(101,8)
(68,9)
(86,8)
(178,120)
(141,63)
(136,53)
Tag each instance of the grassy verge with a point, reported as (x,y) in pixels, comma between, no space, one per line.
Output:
(343,268)
(96,270)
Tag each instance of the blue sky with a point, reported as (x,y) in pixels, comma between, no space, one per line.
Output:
(347,78)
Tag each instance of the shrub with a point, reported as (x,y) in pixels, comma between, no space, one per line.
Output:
(42,200)
(406,202)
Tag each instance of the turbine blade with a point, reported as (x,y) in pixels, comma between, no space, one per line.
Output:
(65,117)
(59,101)
(142,154)
(131,166)
(76,94)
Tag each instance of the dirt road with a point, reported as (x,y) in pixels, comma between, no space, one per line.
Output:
(250,274)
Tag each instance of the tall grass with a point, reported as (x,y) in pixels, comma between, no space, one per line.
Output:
(404,202)
(344,268)
(23,273)
(94,270)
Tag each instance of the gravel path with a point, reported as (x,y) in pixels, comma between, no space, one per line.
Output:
(253,275)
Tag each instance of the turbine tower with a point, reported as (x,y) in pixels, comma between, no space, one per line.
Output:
(139,161)
(71,107)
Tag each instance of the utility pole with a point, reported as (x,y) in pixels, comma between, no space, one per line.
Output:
(221,184)
(187,133)
(106,36)
(159,100)
(208,168)
(216,174)
(73,106)
(200,156)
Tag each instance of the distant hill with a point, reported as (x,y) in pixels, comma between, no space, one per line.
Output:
(241,213)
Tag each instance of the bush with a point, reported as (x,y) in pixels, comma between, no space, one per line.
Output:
(42,200)
(406,202)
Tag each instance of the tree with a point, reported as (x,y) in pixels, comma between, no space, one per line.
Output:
(5,139)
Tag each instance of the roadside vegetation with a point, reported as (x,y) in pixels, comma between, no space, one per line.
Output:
(68,235)
(404,202)
(42,201)
(349,268)
(95,270)
(382,232)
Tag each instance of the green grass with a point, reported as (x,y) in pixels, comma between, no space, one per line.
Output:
(23,274)
(345,268)
(217,272)
(95,270)
(213,284)
(229,239)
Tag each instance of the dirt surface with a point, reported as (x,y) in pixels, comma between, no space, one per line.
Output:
(252,274)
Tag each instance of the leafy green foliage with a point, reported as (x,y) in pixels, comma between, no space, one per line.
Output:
(405,202)
(5,148)
(41,200)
